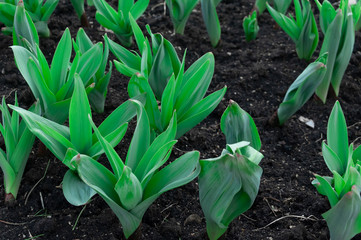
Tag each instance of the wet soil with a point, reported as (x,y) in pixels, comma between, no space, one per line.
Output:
(258,75)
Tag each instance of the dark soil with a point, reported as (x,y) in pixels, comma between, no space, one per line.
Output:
(258,75)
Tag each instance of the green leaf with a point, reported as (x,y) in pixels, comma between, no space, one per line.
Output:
(124,56)
(139,8)
(24,28)
(324,187)
(180,11)
(344,54)
(33,121)
(228,186)
(75,191)
(181,171)
(301,90)
(210,18)
(337,137)
(139,85)
(332,161)
(237,125)
(59,64)
(167,103)
(199,112)
(119,116)
(141,137)
(344,219)
(156,154)
(80,128)
(129,189)
(330,44)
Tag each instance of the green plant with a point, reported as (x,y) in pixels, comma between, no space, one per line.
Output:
(18,143)
(301,90)
(66,142)
(228,184)
(159,73)
(211,20)
(39,12)
(338,42)
(54,86)
(24,31)
(250,26)
(118,21)
(80,12)
(100,79)
(343,189)
(179,11)
(328,13)
(131,187)
(302,30)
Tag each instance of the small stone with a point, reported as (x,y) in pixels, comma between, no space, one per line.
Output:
(193,219)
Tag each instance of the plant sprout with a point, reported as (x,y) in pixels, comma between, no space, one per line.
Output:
(343,189)
(39,12)
(118,21)
(302,30)
(18,143)
(24,31)
(80,12)
(250,26)
(179,11)
(228,184)
(211,20)
(338,42)
(301,90)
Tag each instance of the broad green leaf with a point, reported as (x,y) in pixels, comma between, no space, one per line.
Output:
(119,116)
(181,171)
(59,64)
(228,186)
(75,191)
(80,128)
(344,219)
(128,58)
(141,137)
(89,63)
(129,189)
(199,112)
(301,90)
(337,138)
(333,162)
(139,8)
(33,121)
(237,125)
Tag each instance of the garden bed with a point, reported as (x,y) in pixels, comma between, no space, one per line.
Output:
(257,75)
